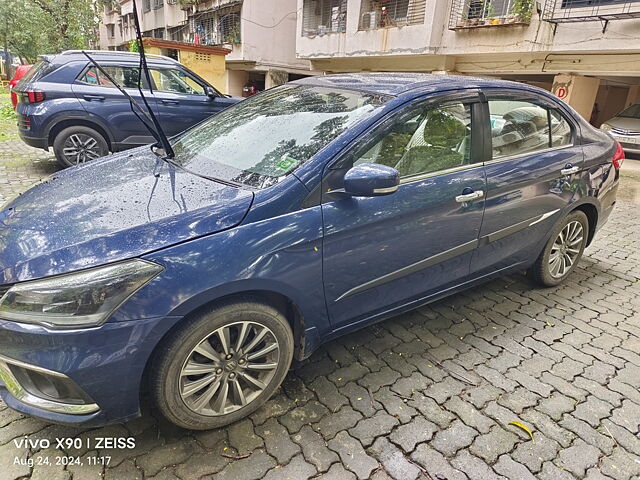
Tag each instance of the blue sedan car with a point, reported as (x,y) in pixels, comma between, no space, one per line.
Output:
(305,212)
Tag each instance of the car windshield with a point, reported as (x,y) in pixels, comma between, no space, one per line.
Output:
(632,112)
(264,138)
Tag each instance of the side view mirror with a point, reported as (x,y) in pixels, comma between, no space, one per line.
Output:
(210,91)
(371,180)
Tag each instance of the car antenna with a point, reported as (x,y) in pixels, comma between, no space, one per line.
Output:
(164,141)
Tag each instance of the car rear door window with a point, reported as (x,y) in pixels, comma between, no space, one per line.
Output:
(521,127)
(430,139)
(126,77)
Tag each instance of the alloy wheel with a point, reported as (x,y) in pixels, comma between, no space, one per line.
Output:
(229,368)
(79,148)
(566,249)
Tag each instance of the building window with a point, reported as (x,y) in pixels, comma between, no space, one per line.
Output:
(391,13)
(111,30)
(216,27)
(177,34)
(146,5)
(157,4)
(487,13)
(323,16)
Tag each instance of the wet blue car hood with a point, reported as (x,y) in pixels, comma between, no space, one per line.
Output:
(116,208)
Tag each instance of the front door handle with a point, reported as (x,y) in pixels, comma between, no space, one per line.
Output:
(469,197)
(570,169)
(170,102)
(97,98)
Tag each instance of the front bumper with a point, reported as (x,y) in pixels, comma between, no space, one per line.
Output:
(105,363)
(16,378)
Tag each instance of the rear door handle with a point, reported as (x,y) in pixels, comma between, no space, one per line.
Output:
(91,98)
(170,102)
(468,197)
(570,169)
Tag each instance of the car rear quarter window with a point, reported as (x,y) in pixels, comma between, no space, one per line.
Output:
(520,127)
(38,71)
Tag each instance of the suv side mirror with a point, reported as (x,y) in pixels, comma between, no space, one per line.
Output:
(210,91)
(371,180)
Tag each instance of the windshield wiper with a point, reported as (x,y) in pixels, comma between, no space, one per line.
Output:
(154,128)
(132,101)
(164,141)
(229,183)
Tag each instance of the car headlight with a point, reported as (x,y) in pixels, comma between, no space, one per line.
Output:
(80,299)
(605,126)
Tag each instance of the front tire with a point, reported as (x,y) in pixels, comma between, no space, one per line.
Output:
(563,251)
(79,144)
(222,365)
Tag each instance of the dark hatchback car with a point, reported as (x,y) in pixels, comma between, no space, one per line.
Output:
(293,217)
(67,103)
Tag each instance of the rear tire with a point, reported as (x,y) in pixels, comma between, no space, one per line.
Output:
(199,383)
(563,251)
(79,144)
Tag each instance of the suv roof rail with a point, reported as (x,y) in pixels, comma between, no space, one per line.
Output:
(115,52)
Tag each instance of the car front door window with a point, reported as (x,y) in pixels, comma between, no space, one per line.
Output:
(431,139)
(176,81)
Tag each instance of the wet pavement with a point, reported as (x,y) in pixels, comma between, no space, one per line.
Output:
(429,394)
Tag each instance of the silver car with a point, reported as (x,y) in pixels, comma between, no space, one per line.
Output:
(625,128)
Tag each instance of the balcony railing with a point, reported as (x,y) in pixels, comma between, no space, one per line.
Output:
(564,11)
(391,13)
(489,13)
(320,17)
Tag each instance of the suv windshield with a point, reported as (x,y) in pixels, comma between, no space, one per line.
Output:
(633,111)
(262,139)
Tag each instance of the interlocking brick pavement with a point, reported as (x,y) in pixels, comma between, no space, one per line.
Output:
(425,395)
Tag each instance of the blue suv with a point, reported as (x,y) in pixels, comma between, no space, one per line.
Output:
(298,215)
(67,103)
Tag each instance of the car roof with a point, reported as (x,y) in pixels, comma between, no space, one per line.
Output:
(106,55)
(389,83)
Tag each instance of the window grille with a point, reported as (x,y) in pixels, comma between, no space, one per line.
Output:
(177,34)
(323,16)
(216,27)
(489,13)
(391,13)
(563,11)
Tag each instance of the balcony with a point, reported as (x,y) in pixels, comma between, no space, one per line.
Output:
(391,13)
(470,14)
(566,11)
(320,17)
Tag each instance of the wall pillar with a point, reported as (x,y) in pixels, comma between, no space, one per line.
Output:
(578,91)
(633,96)
(273,78)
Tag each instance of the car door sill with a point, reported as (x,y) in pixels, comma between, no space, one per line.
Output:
(378,317)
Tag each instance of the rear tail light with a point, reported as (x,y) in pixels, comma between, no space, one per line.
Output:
(618,157)
(32,96)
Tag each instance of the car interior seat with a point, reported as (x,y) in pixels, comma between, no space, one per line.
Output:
(443,135)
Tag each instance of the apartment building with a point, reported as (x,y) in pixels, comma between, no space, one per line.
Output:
(256,38)
(585,51)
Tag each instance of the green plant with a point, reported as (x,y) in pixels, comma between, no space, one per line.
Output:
(523,8)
